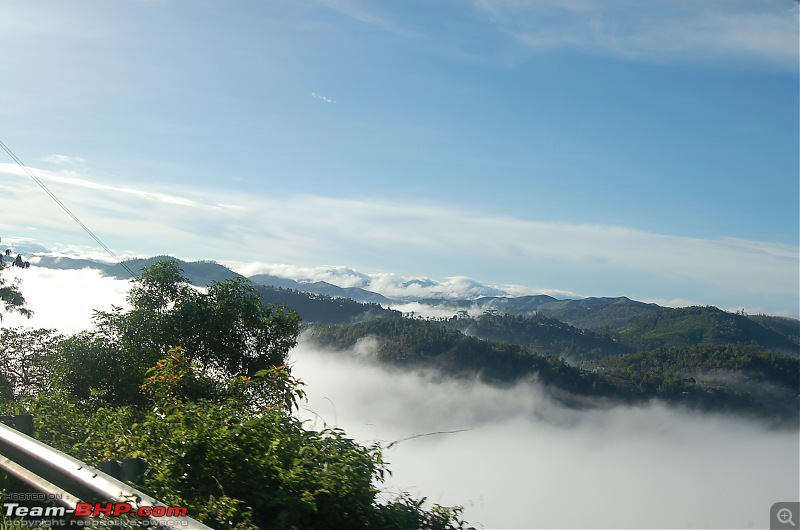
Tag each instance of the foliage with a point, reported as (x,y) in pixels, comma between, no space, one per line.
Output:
(24,358)
(277,473)
(544,335)
(94,369)
(429,344)
(699,325)
(10,296)
(225,330)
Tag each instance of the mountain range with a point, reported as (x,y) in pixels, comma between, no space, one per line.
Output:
(596,314)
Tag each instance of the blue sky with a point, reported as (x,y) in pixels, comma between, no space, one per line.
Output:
(605,148)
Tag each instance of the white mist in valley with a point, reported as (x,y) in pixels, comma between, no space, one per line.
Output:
(519,459)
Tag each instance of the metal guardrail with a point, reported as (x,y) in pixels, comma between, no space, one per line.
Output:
(69,481)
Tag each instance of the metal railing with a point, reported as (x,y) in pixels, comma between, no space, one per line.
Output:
(68,481)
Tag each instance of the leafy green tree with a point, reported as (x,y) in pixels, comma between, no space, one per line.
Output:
(225,330)
(93,368)
(25,355)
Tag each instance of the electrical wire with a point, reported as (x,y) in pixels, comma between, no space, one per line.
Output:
(64,207)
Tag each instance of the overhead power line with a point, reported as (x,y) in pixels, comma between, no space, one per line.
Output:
(64,207)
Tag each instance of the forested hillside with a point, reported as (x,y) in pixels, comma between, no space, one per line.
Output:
(597,313)
(701,325)
(744,377)
(408,343)
(546,336)
(788,327)
(732,377)
(324,309)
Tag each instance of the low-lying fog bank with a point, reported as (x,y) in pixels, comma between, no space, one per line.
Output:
(521,460)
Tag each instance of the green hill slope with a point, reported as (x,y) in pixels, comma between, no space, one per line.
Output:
(788,327)
(597,313)
(700,325)
(545,336)
(321,309)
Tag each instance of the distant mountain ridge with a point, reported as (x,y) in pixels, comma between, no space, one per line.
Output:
(602,314)
(328,289)
(200,273)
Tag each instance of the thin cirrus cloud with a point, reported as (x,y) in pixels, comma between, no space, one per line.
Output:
(70,179)
(409,239)
(765,31)
(360,12)
(64,159)
(643,31)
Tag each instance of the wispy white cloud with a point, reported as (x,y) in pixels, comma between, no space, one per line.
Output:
(660,30)
(522,290)
(338,275)
(452,287)
(64,159)
(70,178)
(382,238)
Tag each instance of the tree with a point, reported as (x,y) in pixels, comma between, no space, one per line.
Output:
(10,295)
(225,331)
(25,361)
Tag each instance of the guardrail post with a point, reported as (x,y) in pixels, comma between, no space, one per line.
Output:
(21,422)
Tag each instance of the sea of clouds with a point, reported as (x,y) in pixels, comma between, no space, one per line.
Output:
(517,458)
